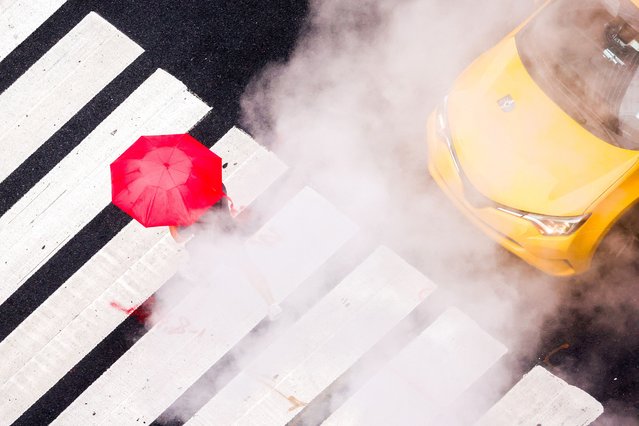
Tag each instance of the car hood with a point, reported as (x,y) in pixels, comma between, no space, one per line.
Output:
(533,156)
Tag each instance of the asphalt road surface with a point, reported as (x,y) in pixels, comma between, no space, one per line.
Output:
(215,48)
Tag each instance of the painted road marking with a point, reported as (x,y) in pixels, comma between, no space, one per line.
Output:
(309,222)
(67,303)
(425,377)
(78,187)
(173,354)
(235,148)
(93,323)
(56,87)
(543,398)
(131,267)
(319,347)
(258,166)
(101,272)
(20,18)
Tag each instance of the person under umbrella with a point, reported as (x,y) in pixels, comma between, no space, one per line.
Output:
(173,180)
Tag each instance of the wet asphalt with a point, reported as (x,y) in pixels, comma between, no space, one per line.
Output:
(216,48)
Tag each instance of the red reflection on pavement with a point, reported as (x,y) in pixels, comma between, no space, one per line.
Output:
(140,312)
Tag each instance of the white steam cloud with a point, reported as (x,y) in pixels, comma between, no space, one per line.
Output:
(349,109)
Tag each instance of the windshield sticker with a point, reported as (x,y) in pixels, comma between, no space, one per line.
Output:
(610,55)
(507,103)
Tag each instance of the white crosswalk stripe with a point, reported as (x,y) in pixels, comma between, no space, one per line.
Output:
(71,194)
(256,167)
(74,297)
(541,398)
(86,330)
(155,371)
(321,345)
(425,377)
(58,85)
(20,18)
(132,266)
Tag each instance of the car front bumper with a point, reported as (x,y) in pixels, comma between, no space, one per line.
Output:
(555,255)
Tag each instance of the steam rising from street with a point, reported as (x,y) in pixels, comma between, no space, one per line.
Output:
(348,113)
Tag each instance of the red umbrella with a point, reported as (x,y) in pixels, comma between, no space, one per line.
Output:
(167,180)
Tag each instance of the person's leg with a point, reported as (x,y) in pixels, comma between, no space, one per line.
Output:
(174,233)
(260,284)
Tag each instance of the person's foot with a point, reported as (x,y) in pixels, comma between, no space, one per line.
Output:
(273,311)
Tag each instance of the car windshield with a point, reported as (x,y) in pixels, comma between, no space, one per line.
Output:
(584,54)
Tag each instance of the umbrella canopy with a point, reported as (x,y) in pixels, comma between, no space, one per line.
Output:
(168,180)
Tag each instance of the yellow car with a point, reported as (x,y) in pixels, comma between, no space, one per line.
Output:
(538,140)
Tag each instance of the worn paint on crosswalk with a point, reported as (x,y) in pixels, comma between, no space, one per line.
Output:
(81,313)
(541,398)
(20,18)
(162,364)
(78,188)
(319,347)
(425,377)
(68,76)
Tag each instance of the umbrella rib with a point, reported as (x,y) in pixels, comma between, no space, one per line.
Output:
(173,151)
(171,177)
(181,161)
(179,192)
(173,180)
(150,205)
(184,202)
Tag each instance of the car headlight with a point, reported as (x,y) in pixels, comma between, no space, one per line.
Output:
(443,131)
(550,225)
